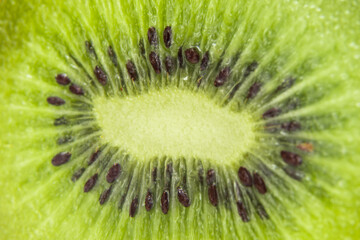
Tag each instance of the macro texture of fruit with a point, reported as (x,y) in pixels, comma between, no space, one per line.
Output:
(217,119)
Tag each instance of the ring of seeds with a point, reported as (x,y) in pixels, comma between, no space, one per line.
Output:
(250,178)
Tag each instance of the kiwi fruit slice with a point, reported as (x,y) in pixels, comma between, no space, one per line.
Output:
(179,119)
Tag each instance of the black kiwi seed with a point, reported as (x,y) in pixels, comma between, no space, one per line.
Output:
(183,197)
(105,195)
(253,90)
(93,157)
(212,193)
(165,202)
(112,56)
(62,79)
(169,65)
(242,211)
(60,121)
(133,207)
(259,184)
(155,62)
(131,69)
(113,173)
(61,158)
(222,77)
(76,89)
(153,174)
(210,177)
(56,101)
(77,174)
(167,36)
(152,36)
(272,112)
(245,177)
(192,55)
(149,202)
(90,183)
(205,61)
(291,126)
(291,158)
(252,67)
(168,176)
(180,58)
(100,75)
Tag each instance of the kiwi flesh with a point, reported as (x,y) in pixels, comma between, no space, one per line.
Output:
(179,120)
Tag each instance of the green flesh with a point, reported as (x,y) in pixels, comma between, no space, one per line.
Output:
(317,43)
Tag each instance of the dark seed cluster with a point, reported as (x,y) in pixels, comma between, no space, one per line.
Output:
(248,181)
(249,178)
(133,207)
(63,79)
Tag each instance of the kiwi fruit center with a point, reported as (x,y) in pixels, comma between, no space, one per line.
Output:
(180,119)
(165,122)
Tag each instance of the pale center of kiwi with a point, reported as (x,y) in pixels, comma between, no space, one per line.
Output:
(175,123)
